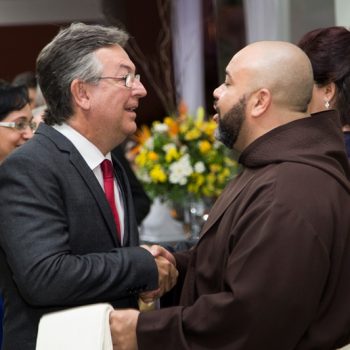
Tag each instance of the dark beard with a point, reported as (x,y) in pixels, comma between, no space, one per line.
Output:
(230,124)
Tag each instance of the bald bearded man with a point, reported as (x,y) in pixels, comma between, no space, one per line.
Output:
(271,269)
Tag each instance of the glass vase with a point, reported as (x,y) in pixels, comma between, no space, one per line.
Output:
(192,212)
(197,214)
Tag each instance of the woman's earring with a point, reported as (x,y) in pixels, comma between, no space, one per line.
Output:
(326,104)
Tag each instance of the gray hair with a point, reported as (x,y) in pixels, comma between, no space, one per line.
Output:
(71,55)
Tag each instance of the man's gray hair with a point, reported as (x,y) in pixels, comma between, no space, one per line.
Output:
(70,55)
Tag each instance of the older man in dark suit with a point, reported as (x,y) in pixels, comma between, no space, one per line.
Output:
(68,234)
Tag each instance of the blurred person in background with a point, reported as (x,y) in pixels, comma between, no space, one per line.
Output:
(16,127)
(38,114)
(29,80)
(16,120)
(329,52)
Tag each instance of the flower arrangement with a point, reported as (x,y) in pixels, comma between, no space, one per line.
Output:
(179,157)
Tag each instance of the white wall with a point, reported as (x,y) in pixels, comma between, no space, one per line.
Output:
(267,20)
(21,12)
(188,53)
(307,15)
(342,13)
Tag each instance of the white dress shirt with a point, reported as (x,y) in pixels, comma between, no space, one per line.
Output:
(93,157)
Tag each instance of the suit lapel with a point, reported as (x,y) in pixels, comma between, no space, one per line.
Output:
(86,174)
(90,179)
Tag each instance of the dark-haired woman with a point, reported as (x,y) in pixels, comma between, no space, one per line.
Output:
(329,52)
(16,127)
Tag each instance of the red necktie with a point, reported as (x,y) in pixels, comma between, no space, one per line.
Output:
(108,184)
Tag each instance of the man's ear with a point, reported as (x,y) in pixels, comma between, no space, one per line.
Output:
(80,94)
(259,102)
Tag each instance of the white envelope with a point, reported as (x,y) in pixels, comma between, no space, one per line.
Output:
(84,327)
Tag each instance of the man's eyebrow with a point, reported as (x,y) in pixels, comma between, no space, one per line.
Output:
(126,66)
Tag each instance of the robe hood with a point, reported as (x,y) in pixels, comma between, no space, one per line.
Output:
(317,141)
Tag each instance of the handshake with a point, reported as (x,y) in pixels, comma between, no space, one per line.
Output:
(123,321)
(167,273)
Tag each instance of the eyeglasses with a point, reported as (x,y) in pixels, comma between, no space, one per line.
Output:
(20,125)
(128,79)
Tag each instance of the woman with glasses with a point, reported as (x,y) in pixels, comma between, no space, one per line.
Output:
(16,125)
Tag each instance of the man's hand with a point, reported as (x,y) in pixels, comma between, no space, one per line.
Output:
(123,328)
(167,272)
(157,250)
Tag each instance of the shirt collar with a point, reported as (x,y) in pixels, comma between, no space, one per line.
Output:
(91,154)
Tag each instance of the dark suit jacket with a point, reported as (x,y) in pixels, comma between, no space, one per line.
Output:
(1,312)
(58,245)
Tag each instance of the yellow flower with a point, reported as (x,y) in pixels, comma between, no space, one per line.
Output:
(214,168)
(152,156)
(226,172)
(200,180)
(197,181)
(224,175)
(173,126)
(192,134)
(171,154)
(141,159)
(183,128)
(208,190)
(142,135)
(210,127)
(157,174)
(204,146)
(211,178)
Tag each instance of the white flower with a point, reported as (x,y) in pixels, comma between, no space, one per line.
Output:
(149,143)
(180,170)
(216,143)
(160,128)
(183,149)
(199,167)
(143,176)
(168,147)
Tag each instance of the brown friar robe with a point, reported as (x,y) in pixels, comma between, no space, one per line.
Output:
(271,270)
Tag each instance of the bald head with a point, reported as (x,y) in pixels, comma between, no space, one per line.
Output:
(279,66)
